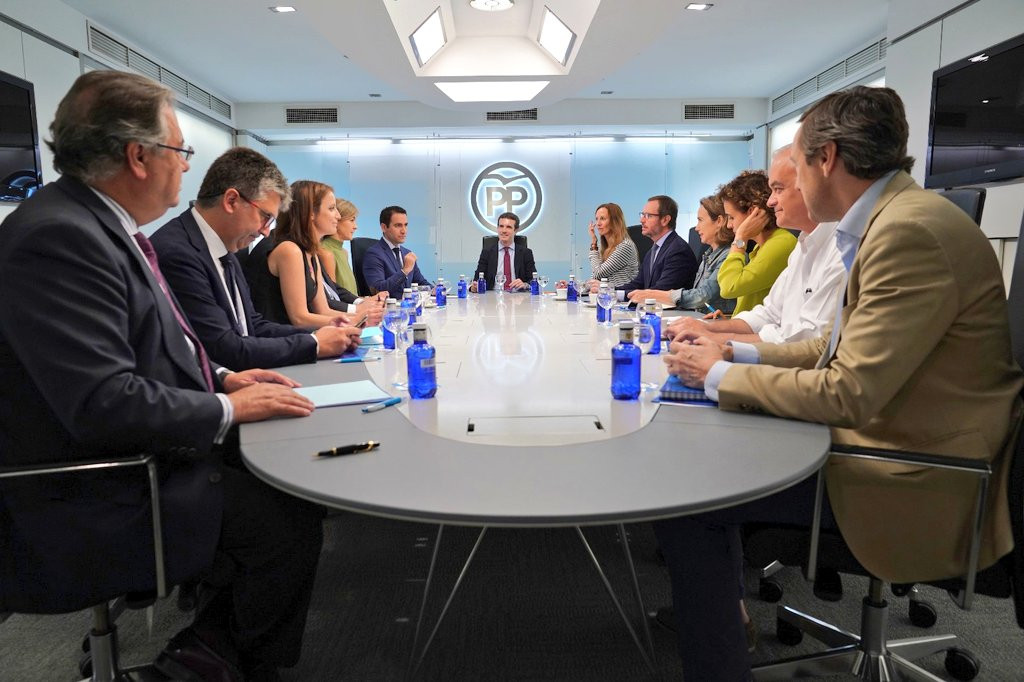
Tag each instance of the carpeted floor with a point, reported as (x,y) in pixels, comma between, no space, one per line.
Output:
(531,607)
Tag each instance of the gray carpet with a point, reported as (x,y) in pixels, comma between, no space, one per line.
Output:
(531,607)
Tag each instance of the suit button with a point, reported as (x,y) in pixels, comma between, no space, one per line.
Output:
(215,477)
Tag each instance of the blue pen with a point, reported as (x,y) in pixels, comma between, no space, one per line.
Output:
(710,307)
(382,404)
(356,358)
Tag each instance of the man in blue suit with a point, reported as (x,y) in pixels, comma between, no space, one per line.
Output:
(387,265)
(238,201)
(670,263)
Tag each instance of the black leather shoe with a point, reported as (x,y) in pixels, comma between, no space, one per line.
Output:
(189,659)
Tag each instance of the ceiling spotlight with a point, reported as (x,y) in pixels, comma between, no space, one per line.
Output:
(556,37)
(281,9)
(699,6)
(491,5)
(428,38)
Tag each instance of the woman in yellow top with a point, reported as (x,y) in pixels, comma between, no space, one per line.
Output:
(745,199)
(333,254)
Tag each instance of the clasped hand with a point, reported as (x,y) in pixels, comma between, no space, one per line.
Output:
(691,360)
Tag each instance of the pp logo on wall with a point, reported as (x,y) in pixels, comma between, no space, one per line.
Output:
(502,187)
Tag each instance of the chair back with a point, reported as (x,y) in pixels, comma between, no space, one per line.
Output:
(643,243)
(359,246)
(970,200)
(491,242)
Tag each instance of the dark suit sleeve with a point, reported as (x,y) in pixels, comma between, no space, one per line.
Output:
(481,266)
(678,269)
(375,273)
(529,266)
(193,286)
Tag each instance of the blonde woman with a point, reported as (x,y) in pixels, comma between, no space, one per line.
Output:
(615,257)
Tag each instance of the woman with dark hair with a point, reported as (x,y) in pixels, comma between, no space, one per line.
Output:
(615,257)
(713,229)
(748,280)
(284,269)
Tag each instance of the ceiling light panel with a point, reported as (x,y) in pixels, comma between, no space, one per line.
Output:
(491,5)
(699,6)
(429,38)
(556,37)
(281,9)
(492,91)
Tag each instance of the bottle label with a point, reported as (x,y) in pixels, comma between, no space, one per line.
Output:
(427,363)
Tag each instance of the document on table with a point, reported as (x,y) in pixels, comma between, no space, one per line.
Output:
(371,336)
(345,393)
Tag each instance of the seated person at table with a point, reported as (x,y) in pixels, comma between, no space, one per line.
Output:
(339,281)
(921,361)
(238,199)
(713,231)
(284,271)
(516,262)
(802,302)
(670,263)
(745,199)
(613,254)
(387,265)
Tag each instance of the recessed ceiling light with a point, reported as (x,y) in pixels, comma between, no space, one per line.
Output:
(491,91)
(699,6)
(556,37)
(282,9)
(491,5)
(428,38)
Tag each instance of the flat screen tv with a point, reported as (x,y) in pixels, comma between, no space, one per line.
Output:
(20,169)
(977,118)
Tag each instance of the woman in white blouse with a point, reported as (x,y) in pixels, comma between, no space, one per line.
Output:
(613,256)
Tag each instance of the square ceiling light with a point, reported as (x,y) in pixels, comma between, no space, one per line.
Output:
(556,37)
(491,91)
(428,38)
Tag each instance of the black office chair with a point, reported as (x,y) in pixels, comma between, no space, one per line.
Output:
(359,246)
(491,242)
(643,242)
(101,662)
(971,200)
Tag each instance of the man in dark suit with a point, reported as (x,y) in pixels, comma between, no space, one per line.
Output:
(670,263)
(516,261)
(97,361)
(238,201)
(387,265)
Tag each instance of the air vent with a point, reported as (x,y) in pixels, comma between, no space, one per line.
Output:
(813,88)
(693,112)
(311,115)
(114,50)
(521,115)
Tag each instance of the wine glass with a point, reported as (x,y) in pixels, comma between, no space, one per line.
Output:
(396,321)
(499,282)
(542,280)
(643,338)
(606,299)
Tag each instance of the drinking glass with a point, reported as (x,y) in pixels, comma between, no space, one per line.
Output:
(606,299)
(499,282)
(643,338)
(543,281)
(396,321)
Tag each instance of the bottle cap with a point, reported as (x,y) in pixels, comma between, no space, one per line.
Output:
(479,275)
(407,290)
(462,277)
(419,326)
(625,324)
(650,301)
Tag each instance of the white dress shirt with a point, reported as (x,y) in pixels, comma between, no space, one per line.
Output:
(218,251)
(511,260)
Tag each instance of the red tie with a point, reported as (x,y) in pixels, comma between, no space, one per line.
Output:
(150,254)
(508,270)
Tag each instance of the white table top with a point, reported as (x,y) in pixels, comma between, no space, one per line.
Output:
(532,376)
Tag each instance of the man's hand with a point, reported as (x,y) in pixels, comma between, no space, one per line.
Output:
(259,401)
(472,286)
(373,308)
(235,381)
(691,361)
(684,323)
(409,262)
(753,224)
(594,286)
(333,341)
(516,284)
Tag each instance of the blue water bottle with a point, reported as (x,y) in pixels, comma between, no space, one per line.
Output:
(602,313)
(534,286)
(417,300)
(420,362)
(389,336)
(441,295)
(408,305)
(652,316)
(625,365)
(571,293)
(463,287)
(481,283)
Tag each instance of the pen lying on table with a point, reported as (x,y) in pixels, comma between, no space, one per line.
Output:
(382,404)
(353,449)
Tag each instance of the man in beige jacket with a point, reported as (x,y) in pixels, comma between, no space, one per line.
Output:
(919,360)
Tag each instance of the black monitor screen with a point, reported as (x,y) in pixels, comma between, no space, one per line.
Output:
(20,174)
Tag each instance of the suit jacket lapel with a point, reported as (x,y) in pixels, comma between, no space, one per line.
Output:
(198,242)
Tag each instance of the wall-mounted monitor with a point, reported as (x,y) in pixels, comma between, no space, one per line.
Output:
(977,118)
(20,169)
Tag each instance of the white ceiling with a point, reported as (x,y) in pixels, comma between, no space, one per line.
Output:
(343,50)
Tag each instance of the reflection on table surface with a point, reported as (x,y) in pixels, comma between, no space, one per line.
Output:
(516,369)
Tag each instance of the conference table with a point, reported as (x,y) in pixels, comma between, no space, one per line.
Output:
(523,432)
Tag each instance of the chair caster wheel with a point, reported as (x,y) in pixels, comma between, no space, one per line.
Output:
(85,666)
(769,590)
(922,614)
(961,664)
(788,634)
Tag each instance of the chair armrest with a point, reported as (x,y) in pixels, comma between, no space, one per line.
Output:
(147,461)
(971,466)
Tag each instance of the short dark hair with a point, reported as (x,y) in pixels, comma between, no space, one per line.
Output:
(868,126)
(508,215)
(388,211)
(102,112)
(249,172)
(667,206)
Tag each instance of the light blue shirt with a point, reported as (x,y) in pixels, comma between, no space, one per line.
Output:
(849,232)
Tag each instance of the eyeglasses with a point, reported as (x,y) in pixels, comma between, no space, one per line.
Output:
(268,218)
(186,153)
(644,215)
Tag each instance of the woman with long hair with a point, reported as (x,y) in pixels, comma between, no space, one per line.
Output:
(615,256)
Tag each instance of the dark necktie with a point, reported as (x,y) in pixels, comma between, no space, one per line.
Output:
(229,264)
(650,269)
(507,269)
(150,254)
(398,256)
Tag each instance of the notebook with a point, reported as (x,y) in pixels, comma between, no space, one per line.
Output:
(675,391)
(345,393)
(372,336)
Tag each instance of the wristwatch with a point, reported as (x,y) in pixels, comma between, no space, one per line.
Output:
(740,244)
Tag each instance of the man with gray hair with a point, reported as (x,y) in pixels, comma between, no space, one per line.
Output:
(98,361)
(239,199)
(918,359)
